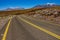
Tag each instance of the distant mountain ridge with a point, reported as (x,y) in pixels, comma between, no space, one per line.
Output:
(46,5)
(9,9)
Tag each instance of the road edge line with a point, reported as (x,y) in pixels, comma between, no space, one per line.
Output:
(6,30)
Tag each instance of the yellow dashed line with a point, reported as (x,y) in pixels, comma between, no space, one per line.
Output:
(6,31)
(42,29)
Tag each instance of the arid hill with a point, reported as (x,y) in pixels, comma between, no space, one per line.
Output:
(25,11)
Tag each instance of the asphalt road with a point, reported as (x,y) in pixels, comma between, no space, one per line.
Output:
(23,28)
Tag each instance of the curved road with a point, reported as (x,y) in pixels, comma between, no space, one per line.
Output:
(23,28)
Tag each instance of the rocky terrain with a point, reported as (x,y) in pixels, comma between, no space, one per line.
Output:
(52,15)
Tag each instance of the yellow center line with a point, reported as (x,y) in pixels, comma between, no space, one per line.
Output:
(6,31)
(42,29)
(48,22)
(43,21)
